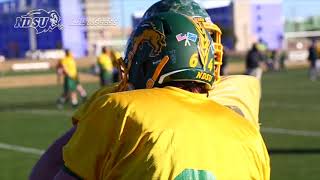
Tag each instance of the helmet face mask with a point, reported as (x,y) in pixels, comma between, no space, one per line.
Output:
(193,10)
(215,34)
(169,47)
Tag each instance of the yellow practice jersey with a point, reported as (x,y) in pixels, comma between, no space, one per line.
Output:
(164,133)
(69,67)
(117,55)
(105,62)
(83,109)
(241,93)
(116,59)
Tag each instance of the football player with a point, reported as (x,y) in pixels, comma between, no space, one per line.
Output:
(105,67)
(239,92)
(167,127)
(67,67)
(115,57)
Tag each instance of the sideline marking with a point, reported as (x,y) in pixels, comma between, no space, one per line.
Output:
(21,149)
(38,111)
(291,132)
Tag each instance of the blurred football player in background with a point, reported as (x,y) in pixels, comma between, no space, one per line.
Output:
(115,56)
(225,59)
(313,57)
(105,67)
(254,60)
(67,68)
(139,134)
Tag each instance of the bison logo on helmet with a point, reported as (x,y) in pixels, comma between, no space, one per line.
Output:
(150,35)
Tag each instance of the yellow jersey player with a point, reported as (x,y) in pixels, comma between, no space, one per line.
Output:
(167,128)
(238,92)
(116,56)
(67,67)
(241,94)
(105,67)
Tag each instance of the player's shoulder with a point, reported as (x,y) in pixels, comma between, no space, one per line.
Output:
(240,83)
(103,95)
(120,102)
(93,102)
(136,95)
(107,89)
(240,78)
(150,97)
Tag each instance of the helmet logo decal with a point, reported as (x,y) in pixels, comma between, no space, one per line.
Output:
(204,76)
(203,44)
(198,19)
(152,36)
(193,62)
(187,38)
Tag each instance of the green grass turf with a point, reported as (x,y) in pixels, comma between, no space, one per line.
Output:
(28,117)
(291,101)
(37,72)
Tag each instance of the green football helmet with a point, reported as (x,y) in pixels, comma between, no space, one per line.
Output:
(194,10)
(169,47)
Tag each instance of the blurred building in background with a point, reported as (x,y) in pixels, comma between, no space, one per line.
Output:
(222,14)
(300,32)
(86,25)
(14,43)
(96,10)
(244,22)
(74,31)
(303,24)
(268,23)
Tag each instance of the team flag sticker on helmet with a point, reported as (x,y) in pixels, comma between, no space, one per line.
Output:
(187,38)
(181,37)
(192,37)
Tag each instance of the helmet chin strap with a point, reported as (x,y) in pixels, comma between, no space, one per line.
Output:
(150,83)
(124,73)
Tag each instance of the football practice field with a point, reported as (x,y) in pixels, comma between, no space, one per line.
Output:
(289,114)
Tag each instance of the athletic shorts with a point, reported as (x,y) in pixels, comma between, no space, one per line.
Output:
(70,84)
(105,78)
